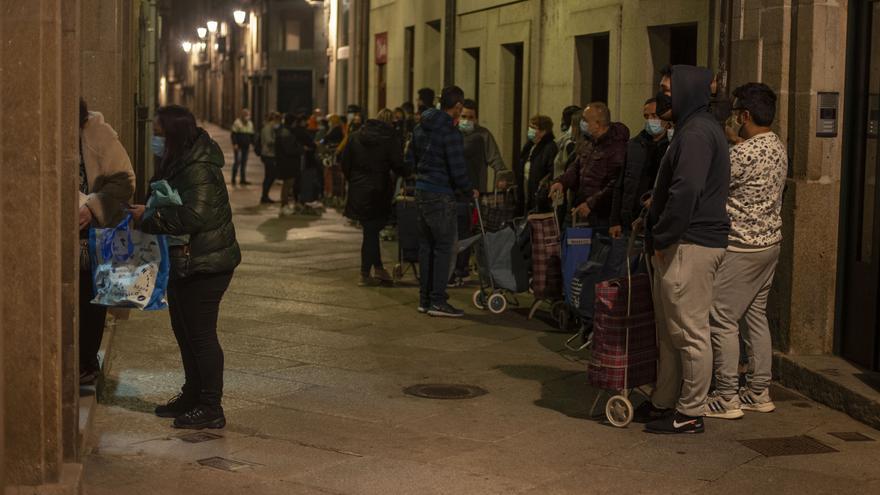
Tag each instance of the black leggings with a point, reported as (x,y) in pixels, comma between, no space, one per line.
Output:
(91,323)
(269,177)
(194,303)
(371,251)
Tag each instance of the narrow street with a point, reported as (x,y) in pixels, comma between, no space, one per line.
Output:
(313,394)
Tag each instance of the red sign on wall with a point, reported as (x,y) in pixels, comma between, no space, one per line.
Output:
(381,48)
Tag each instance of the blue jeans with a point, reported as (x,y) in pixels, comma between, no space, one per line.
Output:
(240,162)
(438,232)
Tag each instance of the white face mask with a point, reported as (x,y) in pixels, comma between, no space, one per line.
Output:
(669,133)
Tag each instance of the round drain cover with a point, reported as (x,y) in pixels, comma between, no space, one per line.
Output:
(444,391)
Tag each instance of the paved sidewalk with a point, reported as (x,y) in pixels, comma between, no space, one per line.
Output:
(313,396)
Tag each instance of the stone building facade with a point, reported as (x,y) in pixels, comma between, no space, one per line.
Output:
(519,58)
(52,52)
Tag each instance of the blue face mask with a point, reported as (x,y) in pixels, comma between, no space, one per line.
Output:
(654,127)
(157,145)
(533,133)
(585,129)
(466,126)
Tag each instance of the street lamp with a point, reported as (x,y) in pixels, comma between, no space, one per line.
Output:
(203,46)
(202,32)
(239,16)
(187,46)
(212,26)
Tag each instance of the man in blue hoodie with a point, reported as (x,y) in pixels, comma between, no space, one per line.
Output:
(687,235)
(437,152)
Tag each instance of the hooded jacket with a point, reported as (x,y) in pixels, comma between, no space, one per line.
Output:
(437,155)
(690,195)
(373,152)
(643,155)
(205,214)
(108,170)
(593,175)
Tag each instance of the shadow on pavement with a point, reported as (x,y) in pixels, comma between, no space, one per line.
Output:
(561,390)
(110,397)
(275,229)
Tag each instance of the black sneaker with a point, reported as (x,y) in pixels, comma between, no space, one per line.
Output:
(266,201)
(648,412)
(175,407)
(446,310)
(676,423)
(201,417)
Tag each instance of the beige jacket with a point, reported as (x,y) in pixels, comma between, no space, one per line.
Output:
(108,168)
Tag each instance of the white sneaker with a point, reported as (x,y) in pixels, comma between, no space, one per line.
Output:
(722,407)
(286,210)
(752,401)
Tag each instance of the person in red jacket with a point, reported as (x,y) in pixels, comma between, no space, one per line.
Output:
(594,173)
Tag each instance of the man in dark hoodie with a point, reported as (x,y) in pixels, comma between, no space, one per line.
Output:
(437,151)
(593,175)
(687,234)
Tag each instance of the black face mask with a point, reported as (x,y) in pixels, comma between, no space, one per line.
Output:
(664,103)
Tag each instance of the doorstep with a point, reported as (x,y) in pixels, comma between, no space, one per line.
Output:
(89,394)
(833,381)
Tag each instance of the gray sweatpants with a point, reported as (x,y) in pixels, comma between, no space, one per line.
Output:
(683,281)
(741,289)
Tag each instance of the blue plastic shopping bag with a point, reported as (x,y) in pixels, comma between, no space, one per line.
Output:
(129,268)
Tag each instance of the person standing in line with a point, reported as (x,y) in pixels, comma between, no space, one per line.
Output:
(481,153)
(643,155)
(288,156)
(242,137)
(437,152)
(372,154)
(566,143)
(758,168)
(535,163)
(687,229)
(267,140)
(202,269)
(593,175)
(106,182)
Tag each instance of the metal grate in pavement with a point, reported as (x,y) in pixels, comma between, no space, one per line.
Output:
(851,436)
(444,391)
(199,437)
(224,464)
(798,445)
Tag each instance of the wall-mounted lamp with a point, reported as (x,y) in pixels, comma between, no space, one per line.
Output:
(202,32)
(212,26)
(187,46)
(240,16)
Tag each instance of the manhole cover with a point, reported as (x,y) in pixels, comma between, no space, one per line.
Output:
(199,437)
(799,445)
(224,464)
(444,391)
(851,436)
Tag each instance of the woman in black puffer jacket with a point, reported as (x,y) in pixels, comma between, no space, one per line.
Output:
(372,153)
(201,269)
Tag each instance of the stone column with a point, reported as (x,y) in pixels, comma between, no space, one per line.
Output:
(102,59)
(798,48)
(36,211)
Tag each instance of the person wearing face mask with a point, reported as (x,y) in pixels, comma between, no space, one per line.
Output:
(687,232)
(437,155)
(535,164)
(594,174)
(567,141)
(201,269)
(643,154)
(106,181)
(481,153)
(758,168)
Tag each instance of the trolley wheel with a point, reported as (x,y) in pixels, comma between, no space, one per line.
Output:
(556,310)
(563,319)
(479,299)
(497,303)
(397,273)
(619,411)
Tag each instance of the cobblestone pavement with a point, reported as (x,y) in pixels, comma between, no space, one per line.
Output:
(314,400)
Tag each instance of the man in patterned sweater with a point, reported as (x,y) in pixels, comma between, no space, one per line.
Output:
(758,167)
